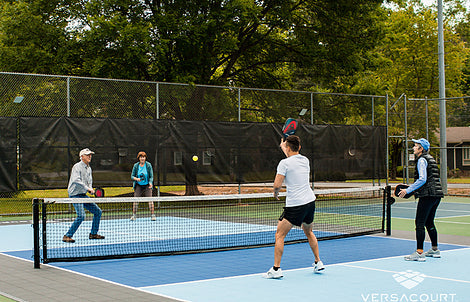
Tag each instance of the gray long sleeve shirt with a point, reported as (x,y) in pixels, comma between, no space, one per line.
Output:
(81,179)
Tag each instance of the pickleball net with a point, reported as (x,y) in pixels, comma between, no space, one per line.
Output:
(187,224)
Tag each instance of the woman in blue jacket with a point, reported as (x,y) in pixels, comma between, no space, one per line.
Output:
(142,177)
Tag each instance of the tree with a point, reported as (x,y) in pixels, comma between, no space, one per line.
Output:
(405,62)
(34,37)
(300,44)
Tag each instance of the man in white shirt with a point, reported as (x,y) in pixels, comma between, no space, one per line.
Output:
(300,203)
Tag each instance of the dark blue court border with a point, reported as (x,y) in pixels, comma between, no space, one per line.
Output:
(159,270)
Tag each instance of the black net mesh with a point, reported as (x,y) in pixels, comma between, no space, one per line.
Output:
(199,223)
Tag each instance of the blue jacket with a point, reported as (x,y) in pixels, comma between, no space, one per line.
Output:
(136,169)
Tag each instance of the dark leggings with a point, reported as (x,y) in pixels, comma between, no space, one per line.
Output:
(425,213)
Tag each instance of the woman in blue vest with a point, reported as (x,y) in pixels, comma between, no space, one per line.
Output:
(142,177)
(427,188)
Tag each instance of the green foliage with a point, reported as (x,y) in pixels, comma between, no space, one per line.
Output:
(317,45)
(206,42)
(33,38)
(268,44)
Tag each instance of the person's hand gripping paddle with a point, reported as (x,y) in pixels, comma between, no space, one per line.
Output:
(290,126)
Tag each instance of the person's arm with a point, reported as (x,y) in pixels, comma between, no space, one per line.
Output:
(283,146)
(278,185)
(150,173)
(422,177)
(134,175)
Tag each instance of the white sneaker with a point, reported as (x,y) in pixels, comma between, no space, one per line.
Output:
(272,274)
(433,253)
(318,267)
(154,217)
(133,218)
(416,257)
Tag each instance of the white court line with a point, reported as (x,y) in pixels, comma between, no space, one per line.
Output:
(439,219)
(93,277)
(300,269)
(454,222)
(438,209)
(396,272)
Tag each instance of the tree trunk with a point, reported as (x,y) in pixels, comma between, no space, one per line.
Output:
(395,156)
(192,190)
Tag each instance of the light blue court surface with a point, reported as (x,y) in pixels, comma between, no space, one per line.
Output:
(365,268)
(17,237)
(368,268)
(389,279)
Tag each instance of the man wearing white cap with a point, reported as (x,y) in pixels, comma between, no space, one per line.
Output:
(427,188)
(81,182)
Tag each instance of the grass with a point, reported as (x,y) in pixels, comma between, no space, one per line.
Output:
(456,199)
(449,226)
(5,299)
(458,180)
(109,191)
(18,207)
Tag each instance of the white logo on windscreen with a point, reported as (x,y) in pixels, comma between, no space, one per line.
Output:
(409,279)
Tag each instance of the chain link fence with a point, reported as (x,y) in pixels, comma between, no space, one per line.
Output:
(58,96)
(52,96)
(420,117)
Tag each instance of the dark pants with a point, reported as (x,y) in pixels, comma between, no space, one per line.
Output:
(425,213)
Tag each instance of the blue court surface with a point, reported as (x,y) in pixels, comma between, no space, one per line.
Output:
(368,268)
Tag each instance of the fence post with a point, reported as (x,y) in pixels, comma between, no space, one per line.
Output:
(157,101)
(390,201)
(36,232)
(373,112)
(239,106)
(311,108)
(68,96)
(387,167)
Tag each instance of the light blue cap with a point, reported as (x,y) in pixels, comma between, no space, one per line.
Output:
(423,142)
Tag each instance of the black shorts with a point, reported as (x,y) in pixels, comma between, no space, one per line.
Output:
(299,214)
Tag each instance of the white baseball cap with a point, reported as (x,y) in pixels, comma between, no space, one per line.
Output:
(86,151)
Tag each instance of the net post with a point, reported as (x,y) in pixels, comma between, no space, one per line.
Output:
(44,232)
(36,233)
(388,190)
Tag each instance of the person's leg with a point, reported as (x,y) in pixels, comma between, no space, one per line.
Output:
(422,213)
(96,211)
(135,206)
(148,193)
(430,227)
(312,240)
(79,209)
(283,227)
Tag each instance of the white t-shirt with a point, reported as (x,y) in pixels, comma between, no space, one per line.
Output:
(296,170)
